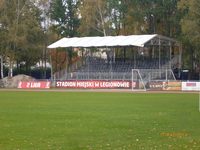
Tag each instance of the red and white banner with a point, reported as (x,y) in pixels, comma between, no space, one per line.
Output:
(95,84)
(34,84)
(191,86)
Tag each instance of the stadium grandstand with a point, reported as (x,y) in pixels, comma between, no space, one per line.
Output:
(153,57)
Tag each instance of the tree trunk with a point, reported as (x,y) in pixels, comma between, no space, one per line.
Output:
(1,57)
(10,70)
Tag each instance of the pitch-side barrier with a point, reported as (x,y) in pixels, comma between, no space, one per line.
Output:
(112,84)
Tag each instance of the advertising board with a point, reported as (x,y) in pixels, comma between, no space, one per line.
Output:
(156,85)
(165,85)
(34,84)
(190,86)
(94,84)
(172,86)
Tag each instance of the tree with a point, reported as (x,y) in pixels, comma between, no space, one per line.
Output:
(111,17)
(190,24)
(64,14)
(191,20)
(65,17)
(158,16)
(44,6)
(94,17)
(2,36)
(133,17)
(21,24)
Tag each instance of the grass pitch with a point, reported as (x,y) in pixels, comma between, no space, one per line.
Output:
(94,121)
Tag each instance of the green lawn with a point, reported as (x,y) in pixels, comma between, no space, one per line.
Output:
(95,121)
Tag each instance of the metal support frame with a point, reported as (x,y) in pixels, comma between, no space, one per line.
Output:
(170,55)
(140,79)
(159,53)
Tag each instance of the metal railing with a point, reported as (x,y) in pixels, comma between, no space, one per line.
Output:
(93,70)
(147,75)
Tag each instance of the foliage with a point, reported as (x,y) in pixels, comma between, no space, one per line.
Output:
(21,32)
(94,17)
(190,24)
(130,17)
(66,17)
(58,59)
(27,27)
(64,13)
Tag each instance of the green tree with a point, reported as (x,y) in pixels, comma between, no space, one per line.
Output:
(2,37)
(94,17)
(133,17)
(160,16)
(21,24)
(65,17)
(190,24)
(64,14)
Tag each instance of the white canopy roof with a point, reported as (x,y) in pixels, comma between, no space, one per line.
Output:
(106,41)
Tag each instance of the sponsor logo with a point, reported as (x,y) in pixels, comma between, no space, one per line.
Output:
(34,84)
(191,84)
(93,84)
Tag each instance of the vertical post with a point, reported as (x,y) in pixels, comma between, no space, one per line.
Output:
(111,70)
(114,55)
(170,55)
(111,59)
(159,58)
(135,53)
(124,54)
(51,67)
(159,53)
(88,61)
(180,55)
(180,60)
(132,79)
(66,63)
(153,52)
